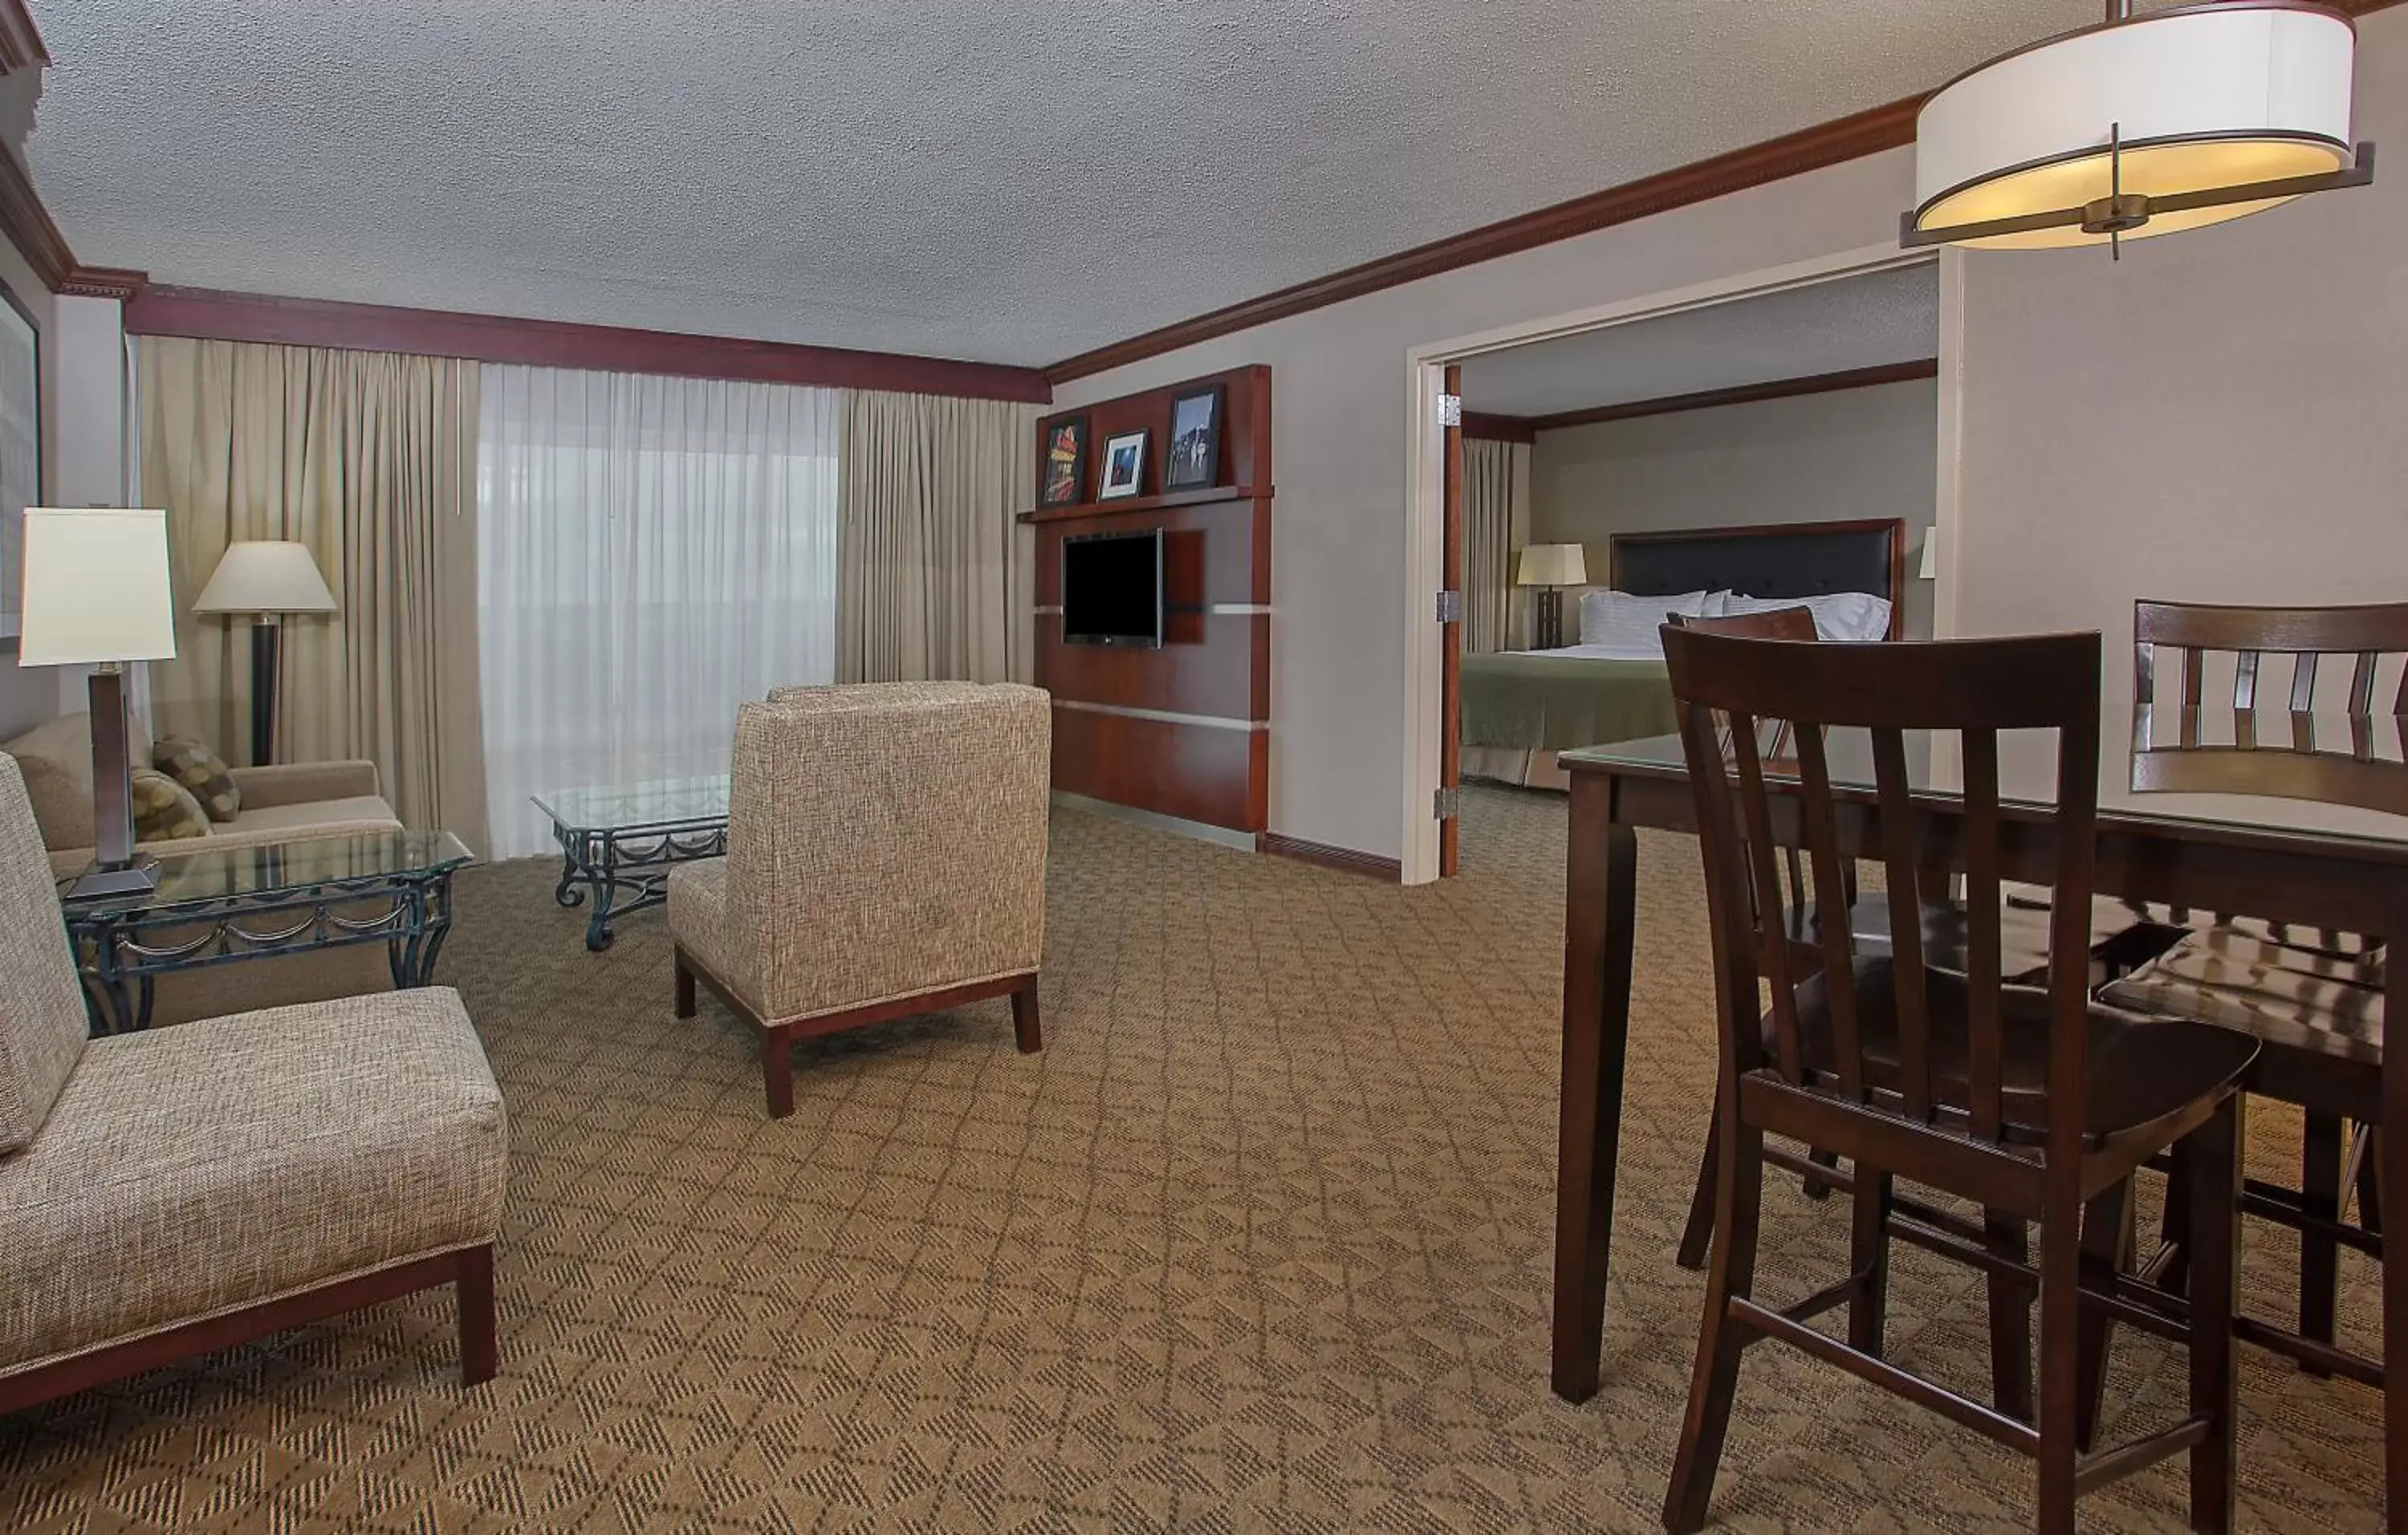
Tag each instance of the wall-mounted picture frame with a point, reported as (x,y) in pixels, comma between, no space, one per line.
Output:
(1124,466)
(1193,458)
(20,451)
(1062,471)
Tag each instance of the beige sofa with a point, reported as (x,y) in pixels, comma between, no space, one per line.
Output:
(179,1191)
(886,857)
(278,803)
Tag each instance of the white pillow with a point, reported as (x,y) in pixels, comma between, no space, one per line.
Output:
(1618,618)
(1840,615)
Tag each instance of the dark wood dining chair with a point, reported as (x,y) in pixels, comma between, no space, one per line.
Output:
(2024,1100)
(2313,999)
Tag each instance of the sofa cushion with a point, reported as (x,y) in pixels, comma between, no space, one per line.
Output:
(56,759)
(42,1023)
(370,811)
(193,1170)
(698,924)
(164,809)
(200,770)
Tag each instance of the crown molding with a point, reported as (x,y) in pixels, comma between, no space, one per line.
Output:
(28,226)
(117,283)
(20,40)
(1489,426)
(206,314)
(1708,399)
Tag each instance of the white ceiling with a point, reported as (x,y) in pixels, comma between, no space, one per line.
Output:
(1826,327)
(1003,180)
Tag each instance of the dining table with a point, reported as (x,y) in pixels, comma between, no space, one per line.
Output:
(2353,880)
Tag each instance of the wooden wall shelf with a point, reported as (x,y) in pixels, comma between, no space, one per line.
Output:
(1184,730)
(1200,495)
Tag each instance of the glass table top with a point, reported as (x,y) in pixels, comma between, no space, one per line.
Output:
(269,868)
(623,807)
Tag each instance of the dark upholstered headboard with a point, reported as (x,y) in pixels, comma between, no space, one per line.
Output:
(1769,560)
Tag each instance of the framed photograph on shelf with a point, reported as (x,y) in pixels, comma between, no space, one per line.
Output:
(1124,466)
(20,452)
(1194,456)
(1062,477)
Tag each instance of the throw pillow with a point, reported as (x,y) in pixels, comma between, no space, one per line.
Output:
(201,771)
(165,810)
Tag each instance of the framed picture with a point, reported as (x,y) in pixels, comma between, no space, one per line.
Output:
(20,452)
(1194,456)
(1062,477)
(1124,466)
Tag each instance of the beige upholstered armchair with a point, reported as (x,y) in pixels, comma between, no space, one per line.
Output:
(886,857)
(173,1192)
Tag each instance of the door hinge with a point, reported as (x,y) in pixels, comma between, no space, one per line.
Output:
(1450,410)
(1450,607)
(1444,803)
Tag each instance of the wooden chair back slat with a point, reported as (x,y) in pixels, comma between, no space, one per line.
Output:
(1831,901)
(2194,676)
(1899,867)
(2304,683)
(1974,688)
(2365,632)
(2244,681)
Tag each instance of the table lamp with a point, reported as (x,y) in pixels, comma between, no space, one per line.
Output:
(265,579)
(97,595)
(1553,566)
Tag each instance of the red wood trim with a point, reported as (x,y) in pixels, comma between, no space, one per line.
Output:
(115,282)
(1493,428)
(471,1265)
(20,40)
(1344,859)
(1707,399)
(27,224)
(162,311)
(1198,497)
(1812,148)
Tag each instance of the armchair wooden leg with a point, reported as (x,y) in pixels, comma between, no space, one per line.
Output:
(1738,1181)
(1025,1025)
(1869,1261)
(2211,1153)
(2107,1238)
(685,1002)
(2320,1195)
(480,1353)
(2010,1300)
(1699,1235)
(778,1070)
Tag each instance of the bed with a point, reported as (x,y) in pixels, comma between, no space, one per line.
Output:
(1520,708)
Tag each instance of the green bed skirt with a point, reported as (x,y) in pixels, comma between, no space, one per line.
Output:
(1536,703)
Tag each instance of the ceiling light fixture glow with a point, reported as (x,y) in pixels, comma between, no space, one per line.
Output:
(2141,125)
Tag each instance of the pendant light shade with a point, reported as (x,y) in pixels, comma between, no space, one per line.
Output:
(2143,126)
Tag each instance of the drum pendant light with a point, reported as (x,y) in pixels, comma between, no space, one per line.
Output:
(2141,125)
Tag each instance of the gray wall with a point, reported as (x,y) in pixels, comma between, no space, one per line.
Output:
(27,697)
(1857,453)
(2211,419)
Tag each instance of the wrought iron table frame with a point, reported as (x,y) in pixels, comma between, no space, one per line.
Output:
(119,956)
(626,869)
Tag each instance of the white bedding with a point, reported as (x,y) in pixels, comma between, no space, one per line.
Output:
(1650,650)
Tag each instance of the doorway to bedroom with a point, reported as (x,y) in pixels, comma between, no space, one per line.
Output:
(1772,447)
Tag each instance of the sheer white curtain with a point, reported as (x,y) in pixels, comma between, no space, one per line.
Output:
(653,552)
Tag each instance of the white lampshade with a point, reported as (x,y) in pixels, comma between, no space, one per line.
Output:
(1552,564)
(2203,97)
(97,588)
(265,575)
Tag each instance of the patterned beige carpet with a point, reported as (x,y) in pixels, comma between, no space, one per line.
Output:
(1261,1241)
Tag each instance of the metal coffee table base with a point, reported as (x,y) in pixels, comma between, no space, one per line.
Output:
(623,871)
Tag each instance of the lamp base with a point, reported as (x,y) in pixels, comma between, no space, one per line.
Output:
(138,878)
(1550,618)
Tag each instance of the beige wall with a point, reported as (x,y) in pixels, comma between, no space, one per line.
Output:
(1857,453)
(2212,418)
(1340,398)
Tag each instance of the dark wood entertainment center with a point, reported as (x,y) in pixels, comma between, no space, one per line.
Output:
(1184,730)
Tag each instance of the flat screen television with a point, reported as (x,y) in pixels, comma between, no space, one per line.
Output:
(1111,589)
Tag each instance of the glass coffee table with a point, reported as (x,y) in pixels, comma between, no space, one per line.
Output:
(618,843)
(223,906)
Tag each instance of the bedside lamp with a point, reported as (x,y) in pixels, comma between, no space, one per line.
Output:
(1552,566)
(265,579)
(97,595)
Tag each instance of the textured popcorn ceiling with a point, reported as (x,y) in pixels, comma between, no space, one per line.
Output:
(1828,327)
(1000,179)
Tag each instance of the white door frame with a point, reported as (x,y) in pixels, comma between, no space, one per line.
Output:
(1425,375)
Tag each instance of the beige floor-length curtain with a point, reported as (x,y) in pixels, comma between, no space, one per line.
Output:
(1496,523)
(935,575)
(370,459)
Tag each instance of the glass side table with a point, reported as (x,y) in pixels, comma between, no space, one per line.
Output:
(618,843)
(223,906)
